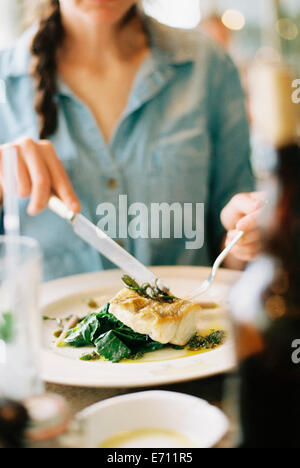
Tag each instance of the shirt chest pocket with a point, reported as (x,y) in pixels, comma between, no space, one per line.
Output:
(178,174)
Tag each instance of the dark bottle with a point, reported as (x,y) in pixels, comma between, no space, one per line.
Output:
(269,333)
(14,420)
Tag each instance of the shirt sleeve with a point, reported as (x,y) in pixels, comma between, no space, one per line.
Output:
(231,171)
(1,203)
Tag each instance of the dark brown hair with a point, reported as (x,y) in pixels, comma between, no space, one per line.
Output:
(44,49)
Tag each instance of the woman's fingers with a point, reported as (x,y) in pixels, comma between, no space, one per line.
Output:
(40,177)
(24,185)
(247,254)
(240,206)
(243,213)
(40,172)
(249,238)
(249,222)
(248,247)
(60,181)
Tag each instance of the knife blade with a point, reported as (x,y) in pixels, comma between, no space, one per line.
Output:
(97,238)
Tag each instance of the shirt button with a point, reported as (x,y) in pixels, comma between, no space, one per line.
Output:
(112,184)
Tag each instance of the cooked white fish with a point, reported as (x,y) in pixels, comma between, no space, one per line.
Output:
(174,323)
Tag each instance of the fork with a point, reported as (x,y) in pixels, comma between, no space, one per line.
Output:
(208,282)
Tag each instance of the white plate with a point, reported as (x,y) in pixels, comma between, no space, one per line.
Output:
(71,296)
(202,424)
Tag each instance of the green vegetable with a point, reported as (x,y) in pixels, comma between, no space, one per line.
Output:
(178,348)
(84,333)
(111,347)
(112,339)
(211,341)
(108,321)
(130,283)
(6,327)
(151,346)
(90,357)
(148,291)
(137,356)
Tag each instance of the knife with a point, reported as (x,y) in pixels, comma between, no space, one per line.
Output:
(97,238)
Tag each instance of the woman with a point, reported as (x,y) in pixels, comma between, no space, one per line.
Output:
(124,105)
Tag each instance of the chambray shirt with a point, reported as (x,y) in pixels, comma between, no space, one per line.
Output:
(183,137)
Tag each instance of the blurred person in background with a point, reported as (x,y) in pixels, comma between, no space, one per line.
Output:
(104,101)
(214,28)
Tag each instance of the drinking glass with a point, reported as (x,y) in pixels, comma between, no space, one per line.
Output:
(20,321)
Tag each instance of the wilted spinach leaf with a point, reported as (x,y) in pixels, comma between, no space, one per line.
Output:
(108,321)
(150,346)
(85,333)
(111,347)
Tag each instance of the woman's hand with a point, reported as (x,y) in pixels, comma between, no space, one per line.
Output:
(40,173)
(242,214)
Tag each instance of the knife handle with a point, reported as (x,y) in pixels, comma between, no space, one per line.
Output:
(59,208)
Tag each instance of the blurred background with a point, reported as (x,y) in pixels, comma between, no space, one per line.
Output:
(262,36)
(253,26)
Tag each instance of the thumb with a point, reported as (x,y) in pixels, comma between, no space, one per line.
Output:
(249,222)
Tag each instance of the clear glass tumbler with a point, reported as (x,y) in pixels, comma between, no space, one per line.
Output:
(20,320)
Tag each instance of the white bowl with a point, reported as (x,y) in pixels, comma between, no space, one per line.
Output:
(193,418)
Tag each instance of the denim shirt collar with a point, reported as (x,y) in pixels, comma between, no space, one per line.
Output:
(17,63)
(168,47)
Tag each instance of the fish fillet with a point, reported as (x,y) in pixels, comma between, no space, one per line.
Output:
(174,323)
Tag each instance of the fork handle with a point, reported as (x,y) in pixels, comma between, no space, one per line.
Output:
(226,252)
(207,283)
